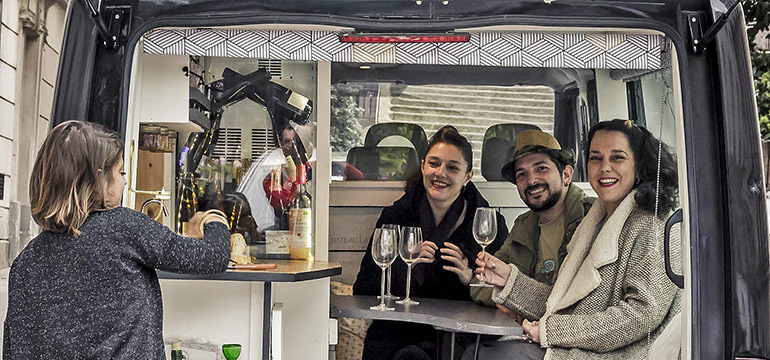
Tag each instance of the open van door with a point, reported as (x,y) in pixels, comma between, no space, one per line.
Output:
(681,66)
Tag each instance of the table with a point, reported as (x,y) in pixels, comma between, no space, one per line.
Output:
(287,271)
(451,315)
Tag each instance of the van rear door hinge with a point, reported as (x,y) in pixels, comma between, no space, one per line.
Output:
(118,19)
(701,39)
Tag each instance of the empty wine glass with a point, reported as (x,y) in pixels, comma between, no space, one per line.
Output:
(383,253)
(484,231)
(409,248)
(231,351)
(388,295)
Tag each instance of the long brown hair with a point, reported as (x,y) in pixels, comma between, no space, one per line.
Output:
(71,169)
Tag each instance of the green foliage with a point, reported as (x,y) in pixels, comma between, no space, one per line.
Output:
(757,13)
(763,105)
(761,62)
(345,128)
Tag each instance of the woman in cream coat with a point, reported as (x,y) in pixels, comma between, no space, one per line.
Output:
(612,297)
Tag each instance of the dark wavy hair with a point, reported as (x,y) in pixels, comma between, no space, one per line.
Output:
(644,147)
(448,134)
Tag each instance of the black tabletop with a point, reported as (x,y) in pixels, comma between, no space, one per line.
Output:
(452,315)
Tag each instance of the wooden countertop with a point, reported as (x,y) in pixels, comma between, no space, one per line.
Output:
(287,271)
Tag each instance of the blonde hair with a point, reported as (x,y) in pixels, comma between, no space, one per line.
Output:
(72,167)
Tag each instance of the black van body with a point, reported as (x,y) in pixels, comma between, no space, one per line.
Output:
(730,273)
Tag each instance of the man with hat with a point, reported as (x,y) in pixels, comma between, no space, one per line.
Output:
(537,244)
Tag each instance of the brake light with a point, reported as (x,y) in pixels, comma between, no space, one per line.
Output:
(404,38)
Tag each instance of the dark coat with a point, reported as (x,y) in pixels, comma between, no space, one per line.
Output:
(428,280)
(385,338)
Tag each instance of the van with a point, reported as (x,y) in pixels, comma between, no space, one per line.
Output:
(364,84)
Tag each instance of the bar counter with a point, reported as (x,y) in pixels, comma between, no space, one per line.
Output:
(287,271)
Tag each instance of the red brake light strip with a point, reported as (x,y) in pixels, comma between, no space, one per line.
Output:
(404,38)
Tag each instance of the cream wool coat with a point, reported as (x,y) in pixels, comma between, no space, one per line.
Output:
(611,300)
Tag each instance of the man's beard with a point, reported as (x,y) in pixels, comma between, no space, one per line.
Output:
(545,205)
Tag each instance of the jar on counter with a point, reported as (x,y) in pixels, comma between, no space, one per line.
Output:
(149,137)
(171,141)
(162,142)
(142,141)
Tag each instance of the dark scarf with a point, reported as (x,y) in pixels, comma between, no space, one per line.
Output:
(439,234)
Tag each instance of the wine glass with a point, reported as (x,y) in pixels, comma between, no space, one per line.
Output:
(383,253)
(231,351)
(409,248)
(484,231)
(388,295)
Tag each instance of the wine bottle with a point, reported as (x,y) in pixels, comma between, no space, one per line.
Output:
(188,201)
(201,145)
(276,199)
(176,350)
(300,219)
(212,190)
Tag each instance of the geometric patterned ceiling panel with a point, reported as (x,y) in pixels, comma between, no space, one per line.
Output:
(516,49)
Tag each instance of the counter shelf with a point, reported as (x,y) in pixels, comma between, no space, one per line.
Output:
(287,271)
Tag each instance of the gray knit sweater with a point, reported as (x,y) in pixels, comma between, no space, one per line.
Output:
(96,296)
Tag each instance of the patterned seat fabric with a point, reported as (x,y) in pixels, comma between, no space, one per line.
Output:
(350,340)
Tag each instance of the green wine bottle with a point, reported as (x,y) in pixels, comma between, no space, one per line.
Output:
(176,350)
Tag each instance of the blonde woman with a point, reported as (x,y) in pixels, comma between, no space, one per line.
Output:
(86,288)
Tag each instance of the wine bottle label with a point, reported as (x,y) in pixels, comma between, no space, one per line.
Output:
(301,236)
(278,242)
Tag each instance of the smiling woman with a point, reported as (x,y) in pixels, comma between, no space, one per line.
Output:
(611,168)
(585,316)
(441,200)
(625,156)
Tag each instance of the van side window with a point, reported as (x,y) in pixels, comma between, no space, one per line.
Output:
(378,129)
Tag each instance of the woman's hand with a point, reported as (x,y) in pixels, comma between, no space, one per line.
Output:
(454,255)
(428,253)
(491,270)
(193,226)
(516,317)
(532,330)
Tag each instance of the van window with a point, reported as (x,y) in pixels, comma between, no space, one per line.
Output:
(381,129)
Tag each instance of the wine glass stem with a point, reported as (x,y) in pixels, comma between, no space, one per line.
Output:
(408,280)
(483,256)
(382,288)
(390,275)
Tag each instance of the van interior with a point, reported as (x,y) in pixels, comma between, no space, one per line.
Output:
(366,131)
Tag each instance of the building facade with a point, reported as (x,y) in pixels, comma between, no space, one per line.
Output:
(31,35)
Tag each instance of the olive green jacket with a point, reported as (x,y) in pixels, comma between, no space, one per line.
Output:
(521,246)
